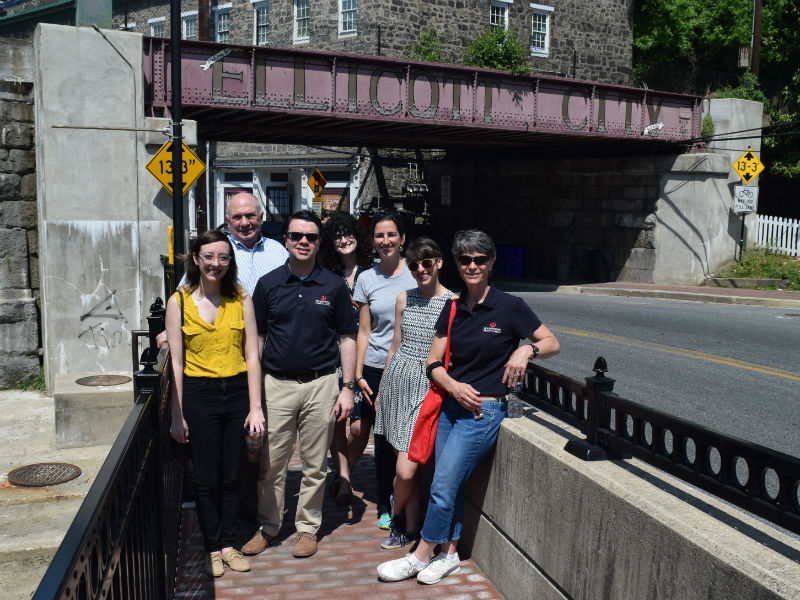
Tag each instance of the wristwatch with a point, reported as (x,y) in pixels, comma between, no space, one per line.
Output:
(535,350)
(350,385)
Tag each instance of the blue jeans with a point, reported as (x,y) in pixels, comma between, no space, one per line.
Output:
(461,443)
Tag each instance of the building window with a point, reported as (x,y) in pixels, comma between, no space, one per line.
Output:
(498,13)
(261,21)
(222,23)
(347,17)
(540,29)
(129,26)
(301,20)
(157,26)
(189,25)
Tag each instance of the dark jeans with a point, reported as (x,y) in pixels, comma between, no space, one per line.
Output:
(385,459)
(215,410)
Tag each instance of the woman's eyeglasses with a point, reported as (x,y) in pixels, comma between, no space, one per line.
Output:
(426,263)
(465,260)
(223,259)
(296,236)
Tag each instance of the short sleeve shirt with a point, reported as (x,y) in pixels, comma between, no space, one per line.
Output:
(302,319)
(381,292)
(482,339)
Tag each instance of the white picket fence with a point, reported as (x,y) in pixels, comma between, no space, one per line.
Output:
(779,234)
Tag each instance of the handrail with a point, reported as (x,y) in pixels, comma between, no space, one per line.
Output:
(122,543)
(753,477)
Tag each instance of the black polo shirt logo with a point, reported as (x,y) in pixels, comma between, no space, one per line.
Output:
(492,328)
(323,300)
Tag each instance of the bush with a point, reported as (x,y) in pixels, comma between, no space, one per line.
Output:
(428,48)
(498,48)
(767,264)
(708,128)
(35,383)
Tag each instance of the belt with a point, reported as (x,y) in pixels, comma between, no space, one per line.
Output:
(302,376)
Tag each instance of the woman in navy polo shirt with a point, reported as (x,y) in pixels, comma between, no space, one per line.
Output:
(485,362)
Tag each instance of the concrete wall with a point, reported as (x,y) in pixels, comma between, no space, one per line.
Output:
(19,252)
(102,217)
(548,525)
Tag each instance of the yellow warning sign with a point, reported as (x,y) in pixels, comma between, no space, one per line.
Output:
(747,166)
(161,166)
(317,182)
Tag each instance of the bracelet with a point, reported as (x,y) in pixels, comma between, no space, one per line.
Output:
(357,379)
(429,369)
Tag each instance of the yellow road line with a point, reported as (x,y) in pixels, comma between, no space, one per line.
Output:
(714,358)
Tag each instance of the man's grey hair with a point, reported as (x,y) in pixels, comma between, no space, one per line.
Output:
(473,241)
(259,209)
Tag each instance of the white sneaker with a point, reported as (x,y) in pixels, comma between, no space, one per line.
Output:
(438,569)
(399,569)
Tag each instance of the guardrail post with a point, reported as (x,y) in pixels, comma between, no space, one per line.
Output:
(598,415)
(146,380)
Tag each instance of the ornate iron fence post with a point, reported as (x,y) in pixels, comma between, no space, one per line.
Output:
(598,415)
(146,381)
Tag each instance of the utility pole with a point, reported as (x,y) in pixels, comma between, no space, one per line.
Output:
(755,40)
(176,137)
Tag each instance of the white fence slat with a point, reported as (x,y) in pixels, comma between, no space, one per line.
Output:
(778,233)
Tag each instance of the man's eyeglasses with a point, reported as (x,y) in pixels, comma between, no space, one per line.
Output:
(223,259)
(465,260)
(296,236)
(426,264)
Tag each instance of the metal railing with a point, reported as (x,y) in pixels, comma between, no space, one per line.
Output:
(758,479)
(123,540)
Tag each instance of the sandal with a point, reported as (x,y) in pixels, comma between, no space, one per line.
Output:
(344,493)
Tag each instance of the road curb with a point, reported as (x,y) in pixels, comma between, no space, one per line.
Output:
(689,296)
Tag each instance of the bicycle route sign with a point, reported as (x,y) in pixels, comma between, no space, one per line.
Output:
(161,166)
(745,199)
(747,166)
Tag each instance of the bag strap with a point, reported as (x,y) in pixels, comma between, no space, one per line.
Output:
(449,327)
(180,294)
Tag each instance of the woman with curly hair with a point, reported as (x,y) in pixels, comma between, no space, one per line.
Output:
(346,249)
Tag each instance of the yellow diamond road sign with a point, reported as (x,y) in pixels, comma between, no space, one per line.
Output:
(747,166)
(161,166)
(316,182)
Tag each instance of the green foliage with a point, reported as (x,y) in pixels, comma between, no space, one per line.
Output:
(428,48)
(33,384)
(767,264)
(708,127)
(748,88)
(498,48)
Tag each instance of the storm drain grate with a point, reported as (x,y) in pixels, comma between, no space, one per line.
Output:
(100,380)
(42,474)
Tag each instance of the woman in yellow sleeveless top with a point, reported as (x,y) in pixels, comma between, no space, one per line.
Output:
(216,387)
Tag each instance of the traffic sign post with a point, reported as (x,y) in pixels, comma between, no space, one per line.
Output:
(161,167)
(747,166)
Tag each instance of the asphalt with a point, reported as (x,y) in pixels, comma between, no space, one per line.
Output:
(33,521)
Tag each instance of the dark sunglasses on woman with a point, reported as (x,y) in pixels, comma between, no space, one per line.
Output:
(426,263)
(479,260)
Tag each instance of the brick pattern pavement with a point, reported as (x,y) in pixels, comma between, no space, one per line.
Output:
(342,569)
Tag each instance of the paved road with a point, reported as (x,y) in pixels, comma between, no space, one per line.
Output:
(733,368)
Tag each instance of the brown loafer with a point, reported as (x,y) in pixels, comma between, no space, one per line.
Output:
(305,545)
(258,543)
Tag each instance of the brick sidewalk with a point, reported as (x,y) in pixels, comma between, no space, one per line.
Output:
(342,569)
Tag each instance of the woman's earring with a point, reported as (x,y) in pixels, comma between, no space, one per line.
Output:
(401,247)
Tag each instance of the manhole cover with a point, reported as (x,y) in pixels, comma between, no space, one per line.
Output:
(98,380)
(42,474)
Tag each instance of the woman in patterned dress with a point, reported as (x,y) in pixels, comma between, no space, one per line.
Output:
(405,384)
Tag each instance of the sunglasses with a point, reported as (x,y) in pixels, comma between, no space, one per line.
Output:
(296,236)
(479,260)
(426,263)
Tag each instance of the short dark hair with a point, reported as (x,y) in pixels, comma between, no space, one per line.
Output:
(344,223)
(305,215)
(421,248)
(228,286)
(389,215)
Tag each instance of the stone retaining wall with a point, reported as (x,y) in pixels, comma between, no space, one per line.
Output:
(19,245)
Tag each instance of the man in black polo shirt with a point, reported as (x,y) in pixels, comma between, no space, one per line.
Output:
(305,324)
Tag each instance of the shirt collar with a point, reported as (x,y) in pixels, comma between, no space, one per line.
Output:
(488,303)
(313,276)
(237,244)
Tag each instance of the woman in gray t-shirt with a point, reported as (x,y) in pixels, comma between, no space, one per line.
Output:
(376,294)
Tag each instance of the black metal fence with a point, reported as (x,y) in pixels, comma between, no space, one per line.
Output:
(758,479)
(123,541)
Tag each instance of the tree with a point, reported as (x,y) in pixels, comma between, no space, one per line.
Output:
(498,48)
(428,48)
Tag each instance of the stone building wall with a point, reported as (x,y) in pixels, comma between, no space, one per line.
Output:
(19,253)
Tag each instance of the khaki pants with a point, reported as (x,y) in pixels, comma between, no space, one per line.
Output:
(296,408)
